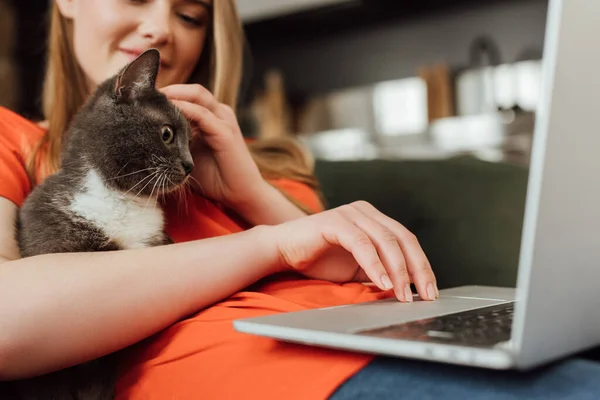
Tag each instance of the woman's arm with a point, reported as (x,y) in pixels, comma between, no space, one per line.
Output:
(8,244)
(57,310)
(270,207)
(61,309)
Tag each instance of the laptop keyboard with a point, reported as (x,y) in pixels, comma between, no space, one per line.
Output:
(483,327)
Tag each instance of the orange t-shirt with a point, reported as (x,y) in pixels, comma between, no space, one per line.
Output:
(202,357)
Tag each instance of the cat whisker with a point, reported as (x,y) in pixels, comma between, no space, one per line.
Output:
(173,184)
(198,185)
(163,172)
(123,167)
(180,198)
(142,189)
(169,179)
(156,160)
(164,185)
(164,182)
(152,176)
(152,191)
(181,195)
(159,192)
(131,173)
(195,180)
(187,187)
(142,180)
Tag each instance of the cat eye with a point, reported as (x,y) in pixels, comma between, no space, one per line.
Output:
(166,132)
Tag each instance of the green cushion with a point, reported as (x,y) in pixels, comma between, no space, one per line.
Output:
(467,213)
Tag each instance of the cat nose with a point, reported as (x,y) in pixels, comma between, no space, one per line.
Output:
(188,166)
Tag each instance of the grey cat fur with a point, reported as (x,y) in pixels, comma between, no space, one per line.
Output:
(117,135)
(118,138)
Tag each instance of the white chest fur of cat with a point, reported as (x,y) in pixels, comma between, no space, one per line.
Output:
(130,222)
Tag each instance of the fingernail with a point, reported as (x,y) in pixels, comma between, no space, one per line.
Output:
(431,292)
(437,292)
(385,281)
(408,293)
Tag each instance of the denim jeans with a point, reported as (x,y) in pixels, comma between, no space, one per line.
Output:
(394,378)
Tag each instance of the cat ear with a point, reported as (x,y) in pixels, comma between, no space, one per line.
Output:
(139,76)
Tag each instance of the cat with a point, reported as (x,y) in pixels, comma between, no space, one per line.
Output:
(126,146)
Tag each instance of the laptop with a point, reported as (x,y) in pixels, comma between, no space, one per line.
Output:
(554,310)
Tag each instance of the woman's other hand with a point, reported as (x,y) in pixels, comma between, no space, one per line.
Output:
(356,242)
(223,166)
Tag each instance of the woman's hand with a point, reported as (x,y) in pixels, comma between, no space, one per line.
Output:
(356,242)
(223,167)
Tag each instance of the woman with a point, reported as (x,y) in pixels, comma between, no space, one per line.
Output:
(245,247)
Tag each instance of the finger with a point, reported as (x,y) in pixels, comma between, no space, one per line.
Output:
(418,265)
(388,249)
(197,94)
(202,118)
(344,233)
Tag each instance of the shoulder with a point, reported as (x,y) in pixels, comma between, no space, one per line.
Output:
(18,137)
(17,129)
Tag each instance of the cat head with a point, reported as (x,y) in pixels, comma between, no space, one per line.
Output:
(130,134)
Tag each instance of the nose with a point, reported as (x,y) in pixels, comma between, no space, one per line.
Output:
(155,25)
(188,166)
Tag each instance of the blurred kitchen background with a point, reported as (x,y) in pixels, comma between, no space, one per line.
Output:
(418,79)
(358,79)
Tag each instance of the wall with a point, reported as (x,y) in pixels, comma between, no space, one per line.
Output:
(8,70)
(395,50)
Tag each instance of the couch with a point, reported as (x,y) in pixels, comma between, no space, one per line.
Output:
(467,213)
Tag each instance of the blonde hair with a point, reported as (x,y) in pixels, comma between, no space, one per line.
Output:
(219,69)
